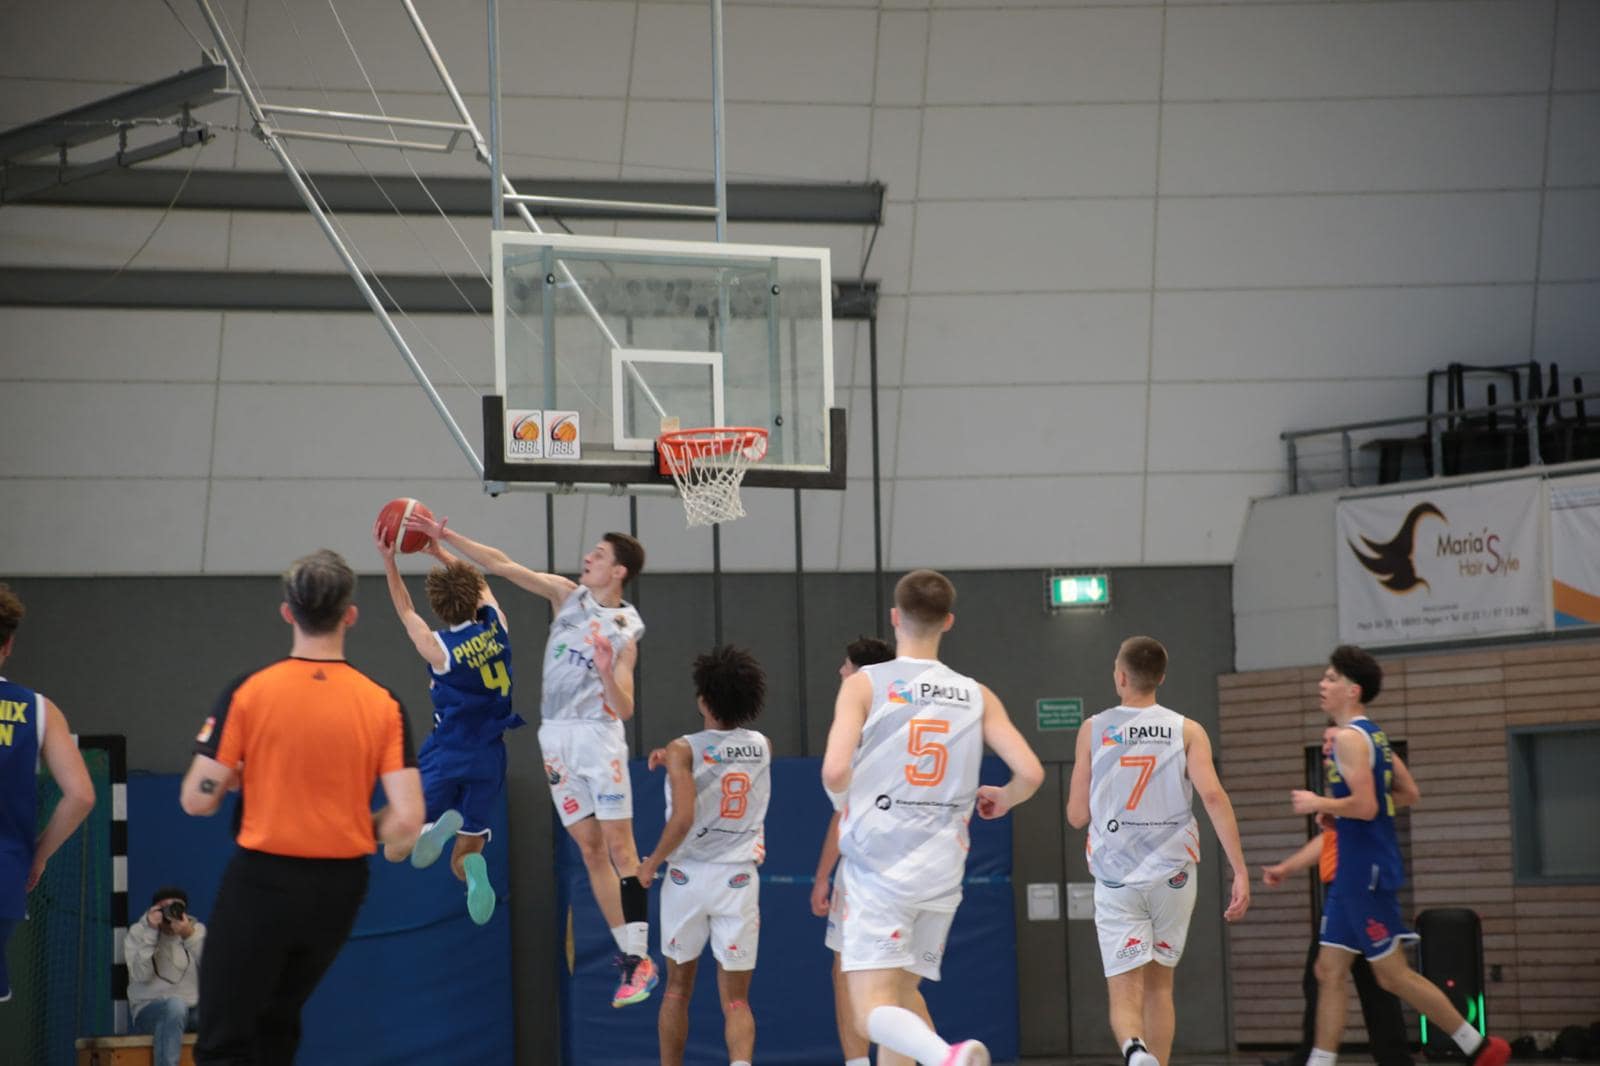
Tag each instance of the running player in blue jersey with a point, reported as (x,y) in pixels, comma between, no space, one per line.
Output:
(32,730)
(463,761)
(1361,913)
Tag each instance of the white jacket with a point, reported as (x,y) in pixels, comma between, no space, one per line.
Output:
(162,965)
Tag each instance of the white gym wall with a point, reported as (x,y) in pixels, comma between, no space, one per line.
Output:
(1126,245)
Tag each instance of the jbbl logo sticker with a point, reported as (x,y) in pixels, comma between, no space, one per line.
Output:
(561,440)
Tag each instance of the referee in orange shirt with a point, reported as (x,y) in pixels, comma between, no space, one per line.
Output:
(304,740)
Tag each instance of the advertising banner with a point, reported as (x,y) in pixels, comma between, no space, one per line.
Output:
(1441,565)
(1575,551)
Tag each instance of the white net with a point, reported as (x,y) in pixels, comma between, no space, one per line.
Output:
(708,466)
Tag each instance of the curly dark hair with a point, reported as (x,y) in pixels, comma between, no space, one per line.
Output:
(11,612)
(868,651)
(732,683)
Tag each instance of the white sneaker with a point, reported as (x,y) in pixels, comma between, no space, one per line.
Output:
(967,1053)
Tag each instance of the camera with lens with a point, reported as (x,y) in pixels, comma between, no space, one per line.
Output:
(174,910)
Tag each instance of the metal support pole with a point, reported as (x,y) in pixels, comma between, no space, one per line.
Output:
(496,187)
(720,184)
(719,175)
(800,624)
(1535,458)
(881,615)
(1436,441)
(1291,449)
(638,669)
(1344,448)
(276,148)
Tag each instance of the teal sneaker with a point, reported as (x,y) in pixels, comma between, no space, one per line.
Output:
(431,844)
(480,893)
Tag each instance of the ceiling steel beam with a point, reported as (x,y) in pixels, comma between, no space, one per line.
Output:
(164,99)
(225,190)
(239,290)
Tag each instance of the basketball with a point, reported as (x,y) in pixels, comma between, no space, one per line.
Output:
(393,517)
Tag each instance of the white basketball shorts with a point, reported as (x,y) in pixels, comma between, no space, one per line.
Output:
(1138,923)
(587,766)
(719,902)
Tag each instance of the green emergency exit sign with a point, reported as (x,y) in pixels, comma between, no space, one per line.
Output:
(1080,590)
(1055,714)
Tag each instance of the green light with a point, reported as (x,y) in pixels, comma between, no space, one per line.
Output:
(1080,590)
(1423,1018)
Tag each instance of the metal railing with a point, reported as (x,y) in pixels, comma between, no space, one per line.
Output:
(1437,424)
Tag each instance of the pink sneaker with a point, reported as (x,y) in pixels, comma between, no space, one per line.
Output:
(967,1053)
(636,984)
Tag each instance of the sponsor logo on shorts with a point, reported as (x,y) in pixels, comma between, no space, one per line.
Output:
(1178,880)
(206,730)
(610,797)
(678,878)
(899,692)
(672,945)
(552,772)
(1377,932)
(1113,825)
(738,880)
(736,952)
(893,942)
(1166,950)
(883,803)
(933,956)
(1132,948)
(569,805)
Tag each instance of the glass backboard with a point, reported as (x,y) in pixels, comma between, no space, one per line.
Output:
(604,343)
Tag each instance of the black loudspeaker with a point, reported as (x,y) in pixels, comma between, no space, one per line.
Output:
(1451,956)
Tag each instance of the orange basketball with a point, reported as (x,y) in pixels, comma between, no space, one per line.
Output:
(393,516)
(564,431)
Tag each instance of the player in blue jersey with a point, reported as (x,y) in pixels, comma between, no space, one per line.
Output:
(32,730)
(1361,913)
(463,761)
(587,690)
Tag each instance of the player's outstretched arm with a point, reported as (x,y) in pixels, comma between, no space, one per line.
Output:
(66,765)
(615,671)
(678,758)
(850,711)
(552,587)
(1308,856)
(820,894)
(422,637)
(1002,737)
(1353,751)
(1082,768)
(1203,775)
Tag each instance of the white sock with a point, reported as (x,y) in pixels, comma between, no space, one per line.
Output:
(619,933)
(1467,1039)
(899,1030)
(637,935)
(1318,1057)
(1141,1056)
(741,1062)
(862,1061)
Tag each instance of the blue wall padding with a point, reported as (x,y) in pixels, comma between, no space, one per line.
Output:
(417,982)
(792,994)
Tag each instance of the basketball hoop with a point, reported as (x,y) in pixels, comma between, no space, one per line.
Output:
(708,466)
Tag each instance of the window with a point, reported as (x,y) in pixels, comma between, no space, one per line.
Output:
(1554,796)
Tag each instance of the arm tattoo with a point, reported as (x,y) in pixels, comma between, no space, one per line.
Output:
(207,785)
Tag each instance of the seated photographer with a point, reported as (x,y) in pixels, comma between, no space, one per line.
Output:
(163,955)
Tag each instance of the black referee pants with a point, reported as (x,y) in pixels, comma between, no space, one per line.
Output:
(278,924)
(1386,1026)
